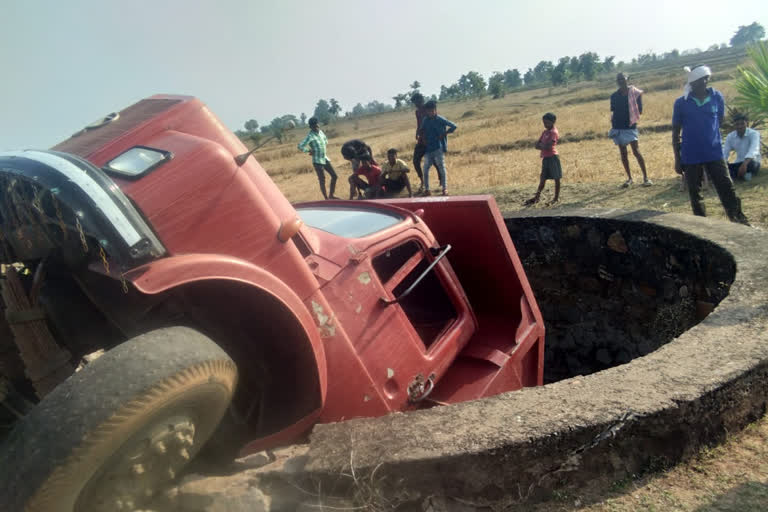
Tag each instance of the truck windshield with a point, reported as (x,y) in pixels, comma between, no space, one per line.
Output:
(348,222)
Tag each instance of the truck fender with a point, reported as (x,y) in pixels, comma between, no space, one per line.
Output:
(161,275)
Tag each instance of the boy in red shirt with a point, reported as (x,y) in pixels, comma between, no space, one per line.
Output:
(370,188)
(550,161)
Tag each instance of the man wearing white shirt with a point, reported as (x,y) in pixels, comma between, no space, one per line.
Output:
(746,143)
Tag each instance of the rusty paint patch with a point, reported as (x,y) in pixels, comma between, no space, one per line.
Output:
(322,318)
(359,308)
(390,373)
(327,329)
(366,398)
(364,278)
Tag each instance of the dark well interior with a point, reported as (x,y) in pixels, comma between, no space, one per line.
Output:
(612,290)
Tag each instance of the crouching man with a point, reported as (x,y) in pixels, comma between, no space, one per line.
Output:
(746,143)
(394,173)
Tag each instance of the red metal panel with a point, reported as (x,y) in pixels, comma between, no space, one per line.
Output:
(506,352)
(161,275)
(87,142)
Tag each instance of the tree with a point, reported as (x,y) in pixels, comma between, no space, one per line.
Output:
(528,77)
(472,84)
(415,86)
(542,73)
(277,127)
(252,125)
(250,133)
(335,108)
(646,58)
(373,107)
(496,87)
(589,64)
(574,66)
(608,64)
(713,47)
(303,119)
(752,82)
(512,79)
(561,73)
(448,92)
(376,107)
(323,112)
(287,119)
(400,100)
(748,34)
(358,110)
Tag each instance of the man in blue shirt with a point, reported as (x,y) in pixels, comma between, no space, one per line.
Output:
(698,114)
(433,130)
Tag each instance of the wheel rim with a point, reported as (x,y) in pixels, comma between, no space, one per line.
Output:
(143,465)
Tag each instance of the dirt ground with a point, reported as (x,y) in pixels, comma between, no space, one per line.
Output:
(732,477)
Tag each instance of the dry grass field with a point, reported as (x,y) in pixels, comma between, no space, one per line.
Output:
(492,149)
(492,152)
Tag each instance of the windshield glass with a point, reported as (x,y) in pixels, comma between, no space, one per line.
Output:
(348,222)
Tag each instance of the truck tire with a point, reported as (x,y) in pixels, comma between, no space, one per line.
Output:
(114,433)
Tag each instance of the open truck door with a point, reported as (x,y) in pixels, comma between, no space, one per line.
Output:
(507,350)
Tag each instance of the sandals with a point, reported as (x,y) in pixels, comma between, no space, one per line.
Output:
(627,183)
(531,201)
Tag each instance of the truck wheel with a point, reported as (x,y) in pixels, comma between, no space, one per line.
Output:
(114,433)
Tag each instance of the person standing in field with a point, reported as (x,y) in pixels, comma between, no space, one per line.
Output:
(315,143)
(745,141)
(550,160)
(434,129)
(421,147)
(626,107)
(698,114)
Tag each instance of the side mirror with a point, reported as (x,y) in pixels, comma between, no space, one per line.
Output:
(240,159)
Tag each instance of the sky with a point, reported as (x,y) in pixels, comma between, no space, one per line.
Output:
(64,64)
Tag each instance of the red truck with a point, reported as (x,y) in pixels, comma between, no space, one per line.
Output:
(150,237)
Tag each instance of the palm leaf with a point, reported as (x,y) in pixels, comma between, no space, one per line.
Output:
(752,83)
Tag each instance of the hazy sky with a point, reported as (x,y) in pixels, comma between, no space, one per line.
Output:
(65,63)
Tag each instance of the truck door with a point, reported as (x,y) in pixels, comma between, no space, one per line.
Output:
(406,339)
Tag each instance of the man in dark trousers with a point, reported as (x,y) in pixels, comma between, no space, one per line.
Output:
(421,146)
(316,143)
(626,107)
(698,114)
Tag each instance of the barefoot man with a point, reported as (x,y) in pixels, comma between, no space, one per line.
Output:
(626,106)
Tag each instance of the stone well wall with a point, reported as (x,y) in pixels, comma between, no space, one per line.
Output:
(612,290)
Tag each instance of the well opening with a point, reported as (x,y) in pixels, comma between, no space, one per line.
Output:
(612,290)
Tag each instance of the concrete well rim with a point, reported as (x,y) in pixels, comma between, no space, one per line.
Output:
(724,353)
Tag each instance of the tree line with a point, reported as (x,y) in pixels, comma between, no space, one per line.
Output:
(584,67)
